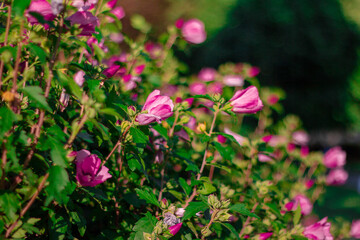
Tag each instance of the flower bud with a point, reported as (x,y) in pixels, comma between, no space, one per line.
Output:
(201,127)
(206,232)
(8,96)
(225,203)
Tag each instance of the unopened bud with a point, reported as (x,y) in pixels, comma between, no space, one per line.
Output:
(131,111)
(225,203)
(201,127)
(206,232)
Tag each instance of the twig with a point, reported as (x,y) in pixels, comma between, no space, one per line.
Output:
(248,220)
(213,216)
(3,165)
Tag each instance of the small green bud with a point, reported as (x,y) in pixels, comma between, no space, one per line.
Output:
(205,232)
(225,203)
(131,111)
(212,199)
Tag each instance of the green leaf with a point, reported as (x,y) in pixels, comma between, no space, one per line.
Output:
(144,225)
(297,237)
(38,52)
(220,166)
(19,6)
(58,179)
(297,215)
(163,132)
(58,153)
(9,204)
(7,118)
(111,112)
(149,197)
(185,186)
(138,136)
(207,189)
(35,93)
(134,164)
(241,208)
(193,208)
(232,229)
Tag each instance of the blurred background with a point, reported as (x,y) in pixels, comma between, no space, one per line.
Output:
(309,48)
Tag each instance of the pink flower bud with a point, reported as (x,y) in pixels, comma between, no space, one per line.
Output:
(273,99)
(300,137)
(174,229)
(87,169)
(189,101)
(233,80)
(179,23)
(264,236)
(267,138)
(193,31)
(111,4)
(304,151)
(139,69)
(197,88)
(335,157)
(221,139)
(64,100)
(246,101)
(118,12)
(355,229)
(289,206)
(207,74)
(309,183)
(253,71)
(290,147)
(264,158)
(337,177)
(158,108)
(319,230)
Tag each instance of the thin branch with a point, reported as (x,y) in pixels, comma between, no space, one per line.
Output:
(248,220)
(8,21)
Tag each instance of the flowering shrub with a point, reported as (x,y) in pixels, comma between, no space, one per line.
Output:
(102,136)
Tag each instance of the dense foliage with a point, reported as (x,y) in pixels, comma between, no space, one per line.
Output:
(106,137)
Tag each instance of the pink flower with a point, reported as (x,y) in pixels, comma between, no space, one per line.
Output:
(337,177)
(319,230)
(87,169)
(118,12)
(309,183)
(264,236)
(267,138)
(41,7)
(355,229)
(246,101)
(197,88)
(111,4)
(240,139)
(174,229)
(264,158)
(179,23)
(305,204)
(157,108)
(79,78)
(83,18)
(214,88)
(139,69)
(111,71)
(335,157)
(253,71)
(290,147)
(233,81)
(207,74)
(193,31)
(300,137)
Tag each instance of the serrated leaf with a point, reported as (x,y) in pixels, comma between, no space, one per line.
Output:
(241,208)
(149,197)
(35,93)
(232,229)
(38,52)
(19,6)
(163,132)
(193,208)
(144,225)
(138,136)
(207,189)
(9,204)
(58,179)
(185,186)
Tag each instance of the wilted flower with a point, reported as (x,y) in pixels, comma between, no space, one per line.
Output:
(233,80)
(157,108)
(180,212)
(170,219)
(64,100)
(207,74)
(175,229)
(57,6)
(193,31)
(246,101)
(300,137)
(79,78)
(337,177)
(335,157)
(355,229)
(83,5)
(319,230)
(87,169)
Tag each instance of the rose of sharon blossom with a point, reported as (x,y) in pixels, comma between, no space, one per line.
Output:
(355,229)
(319,230)
(197,88)
(264,236)
(246,101)
(193,31)
(305,204)
(337,177)
(233,80)
(157,108)
(87,169)
(41,7)
(86,20)
(207,74)
(335,157)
